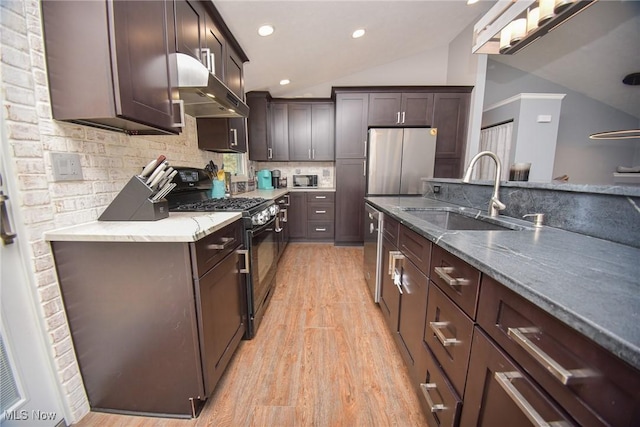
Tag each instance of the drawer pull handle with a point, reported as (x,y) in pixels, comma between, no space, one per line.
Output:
(321,212)
(504,380)
(565,376)
(320,197)
(393,256)
(444,273)
(397,280)
(437,327)
(321,229)
(433,407)
(247,261)
(226,242)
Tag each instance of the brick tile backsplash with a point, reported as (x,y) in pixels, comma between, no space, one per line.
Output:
(108,161)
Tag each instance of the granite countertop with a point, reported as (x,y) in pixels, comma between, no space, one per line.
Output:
(178,227)
(590,284)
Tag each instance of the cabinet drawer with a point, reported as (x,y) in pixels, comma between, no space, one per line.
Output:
(456,278)
(320,230)
(391,229)
(320,211)
(440,402)
(499,394)
(575,371)
(321,196)
(416,247)
(213,248)
(448,333)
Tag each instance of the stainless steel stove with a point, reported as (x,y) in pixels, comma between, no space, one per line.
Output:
(261,224)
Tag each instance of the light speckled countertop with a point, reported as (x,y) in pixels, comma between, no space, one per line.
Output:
(178,227)
(590,284)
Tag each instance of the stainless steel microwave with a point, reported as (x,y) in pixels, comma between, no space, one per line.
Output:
(305,180)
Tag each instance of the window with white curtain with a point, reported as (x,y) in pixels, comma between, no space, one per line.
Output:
(496,139)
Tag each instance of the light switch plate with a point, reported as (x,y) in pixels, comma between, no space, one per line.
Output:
(66,167)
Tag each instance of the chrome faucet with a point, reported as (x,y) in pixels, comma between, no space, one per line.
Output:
(495,205)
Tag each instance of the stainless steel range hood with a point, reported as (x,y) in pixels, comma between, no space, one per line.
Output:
(203,94)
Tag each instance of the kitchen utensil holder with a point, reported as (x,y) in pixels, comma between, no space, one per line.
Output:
(133,204)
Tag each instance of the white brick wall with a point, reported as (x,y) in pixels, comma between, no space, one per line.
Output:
(108,160)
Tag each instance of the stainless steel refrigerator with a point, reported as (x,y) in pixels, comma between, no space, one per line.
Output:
(398,158)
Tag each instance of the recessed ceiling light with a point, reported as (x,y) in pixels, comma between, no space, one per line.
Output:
(285,82)
(472,1)
(358,33)
(265,30)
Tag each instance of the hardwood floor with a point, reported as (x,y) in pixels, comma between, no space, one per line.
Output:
(323,356)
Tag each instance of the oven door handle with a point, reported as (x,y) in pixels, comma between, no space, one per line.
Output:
(247,261)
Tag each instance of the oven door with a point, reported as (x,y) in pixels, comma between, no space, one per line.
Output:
(264,260)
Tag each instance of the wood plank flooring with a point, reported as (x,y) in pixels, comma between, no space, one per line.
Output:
(323,356)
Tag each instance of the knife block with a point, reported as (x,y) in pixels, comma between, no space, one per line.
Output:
(133,204)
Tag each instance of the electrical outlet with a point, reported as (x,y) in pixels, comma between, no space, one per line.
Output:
(66,167)
(436,189)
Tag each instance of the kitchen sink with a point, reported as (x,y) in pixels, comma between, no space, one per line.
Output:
(452,220)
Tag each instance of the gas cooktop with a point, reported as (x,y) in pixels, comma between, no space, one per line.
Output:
(237,204)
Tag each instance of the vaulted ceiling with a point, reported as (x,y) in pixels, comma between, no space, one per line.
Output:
(312,43)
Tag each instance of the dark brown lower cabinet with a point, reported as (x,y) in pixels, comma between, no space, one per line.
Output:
(499,393)
(154,324)
(439,400)
(350,192)
(389,294)
(297,215)
(413,310)
(591,384)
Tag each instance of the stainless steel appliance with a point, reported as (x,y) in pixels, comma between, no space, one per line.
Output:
(398,158)
(275,178)
(305,180)
(373,223)
(261,223)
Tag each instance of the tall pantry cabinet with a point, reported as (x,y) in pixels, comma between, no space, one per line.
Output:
(352,110)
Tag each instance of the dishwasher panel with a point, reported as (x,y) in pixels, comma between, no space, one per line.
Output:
(372,249)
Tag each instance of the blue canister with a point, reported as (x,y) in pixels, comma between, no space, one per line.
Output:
(218,189)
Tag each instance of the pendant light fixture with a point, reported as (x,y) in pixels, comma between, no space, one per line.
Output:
(632,79)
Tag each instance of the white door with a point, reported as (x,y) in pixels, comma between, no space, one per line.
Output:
(30,394)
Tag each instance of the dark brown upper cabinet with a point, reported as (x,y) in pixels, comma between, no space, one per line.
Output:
(202,33)
(311,131)
(233,76)
(190,28)
(108,64)
(214,47)
(400,109)
(351,125)
(223,135)
(268,125)
(278,148)
(450,117)
(258,126)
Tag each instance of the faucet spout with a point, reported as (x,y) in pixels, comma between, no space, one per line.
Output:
(495,205)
